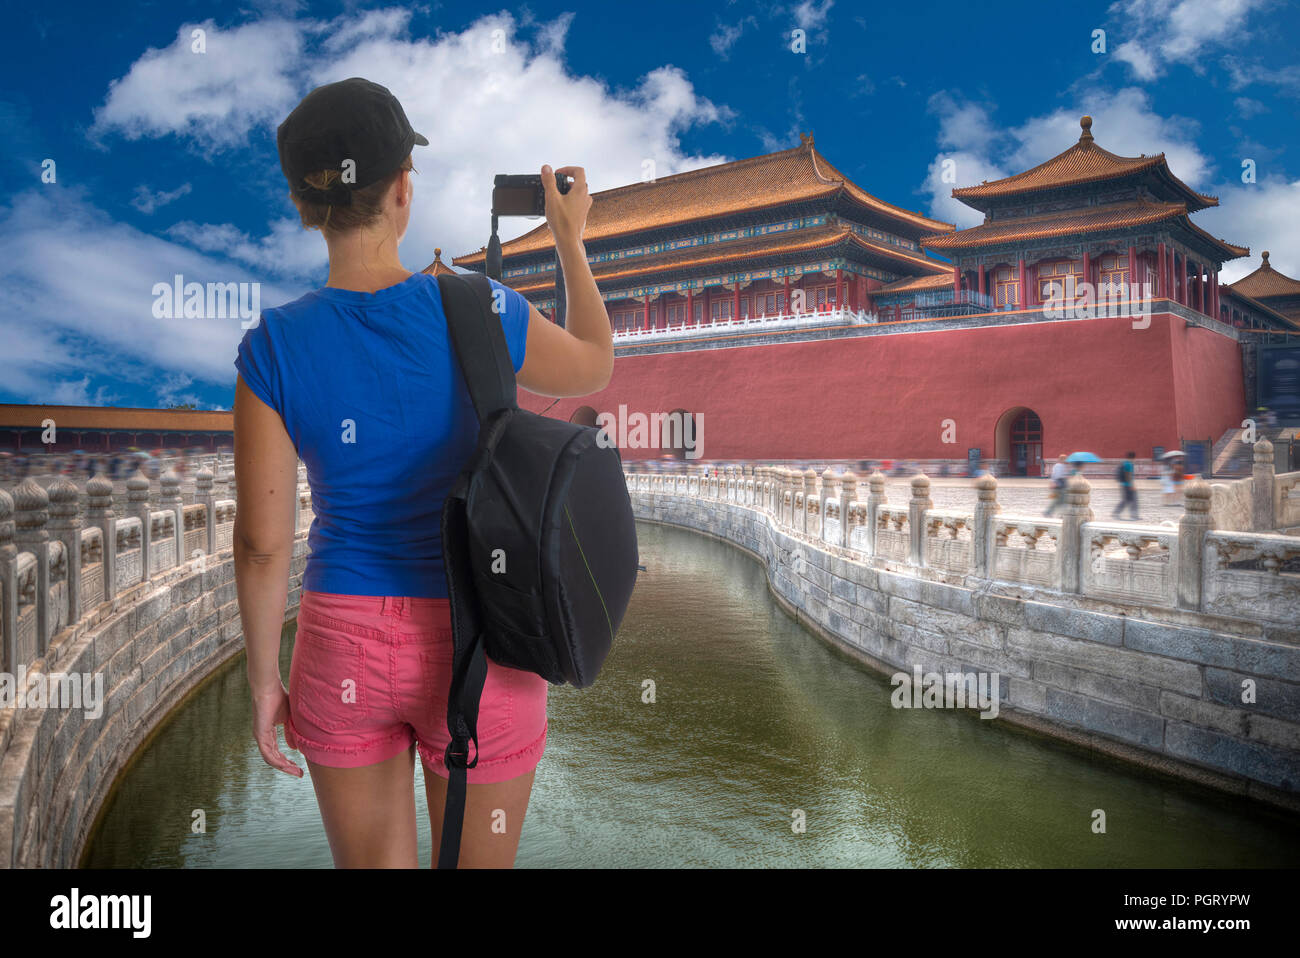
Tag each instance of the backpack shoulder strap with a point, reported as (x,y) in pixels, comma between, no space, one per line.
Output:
(478,341)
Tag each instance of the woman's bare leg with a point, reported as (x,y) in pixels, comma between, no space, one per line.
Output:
(369,812)
(494,819)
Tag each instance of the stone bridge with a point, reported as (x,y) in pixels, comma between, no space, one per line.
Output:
(133,587)
(1176,646)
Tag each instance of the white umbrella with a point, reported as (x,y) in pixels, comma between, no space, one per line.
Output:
(1173,453)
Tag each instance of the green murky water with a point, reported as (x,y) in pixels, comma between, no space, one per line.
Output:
(753,719)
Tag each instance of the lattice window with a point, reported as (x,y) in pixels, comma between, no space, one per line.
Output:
(1112,271)
(1006,286)
(1052,279)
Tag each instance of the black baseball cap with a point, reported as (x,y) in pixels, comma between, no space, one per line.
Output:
(352,119)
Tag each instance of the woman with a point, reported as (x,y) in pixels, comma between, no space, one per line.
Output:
(358,379)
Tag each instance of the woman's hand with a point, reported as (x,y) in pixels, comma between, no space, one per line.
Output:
(271,708)
(566,212)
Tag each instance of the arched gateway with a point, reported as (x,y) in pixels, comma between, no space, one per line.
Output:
(1019,440)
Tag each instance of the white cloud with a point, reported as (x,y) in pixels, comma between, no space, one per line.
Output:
(76,287)
(809,16)
(244,79)
(76,294)
(726,35)
(1260,215)
(147,200)
(1123,123)
(1178,31)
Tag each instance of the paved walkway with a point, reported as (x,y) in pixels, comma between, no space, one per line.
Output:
(1028,497)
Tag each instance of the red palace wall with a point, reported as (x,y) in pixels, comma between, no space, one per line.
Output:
(1097,384)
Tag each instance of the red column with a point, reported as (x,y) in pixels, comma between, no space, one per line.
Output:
(1087,272)
(956,283)
(690,307)
(787,294)
(839,289)
(1214,287)
(982,283)
(1160,269)
(735,303)
(1024,288)
(1132,272)
(646,322)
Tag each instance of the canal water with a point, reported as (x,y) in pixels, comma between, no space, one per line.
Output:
(755,725)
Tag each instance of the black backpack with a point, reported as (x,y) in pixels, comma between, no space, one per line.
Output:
(538,539)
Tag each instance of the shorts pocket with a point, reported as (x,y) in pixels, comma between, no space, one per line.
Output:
(327,680)
(496,706)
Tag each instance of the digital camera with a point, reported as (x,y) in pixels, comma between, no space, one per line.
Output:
(523,194)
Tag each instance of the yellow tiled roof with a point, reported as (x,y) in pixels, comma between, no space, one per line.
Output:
(1085,162)
(1092,219)
(1266,282)
(773,179)
(762,246)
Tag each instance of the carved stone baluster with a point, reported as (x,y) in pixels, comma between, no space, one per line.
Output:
(875,499)
(916,510)
(137,495)
(31,516)
(100,513)
(1072,554)
(8,587)
(983,542)
(1262,513)
(65,526)
(848,492)
(169,499)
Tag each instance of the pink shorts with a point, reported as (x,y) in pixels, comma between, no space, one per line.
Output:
(370,676)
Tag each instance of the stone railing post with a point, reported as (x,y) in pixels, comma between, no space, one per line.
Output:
(99,512)
(916,509)
(1192,529)
(31,516)
(848,493)
(169,499)
(748,486)
(1077,511)
(875,499)
(1262,517)
(137,506)
(65,526)
(830,491)
(8,587)
(204,497)
(983,542)
(809,497)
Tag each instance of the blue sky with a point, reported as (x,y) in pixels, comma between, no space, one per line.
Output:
(164,159)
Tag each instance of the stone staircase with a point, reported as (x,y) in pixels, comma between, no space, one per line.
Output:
(1232,458)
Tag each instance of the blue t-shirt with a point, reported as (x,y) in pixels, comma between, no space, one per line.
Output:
(370,393)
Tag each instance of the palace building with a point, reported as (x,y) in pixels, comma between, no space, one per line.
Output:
(797,316)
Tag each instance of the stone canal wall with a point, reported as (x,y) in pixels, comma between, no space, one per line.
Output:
(144,605)
(1154,684)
